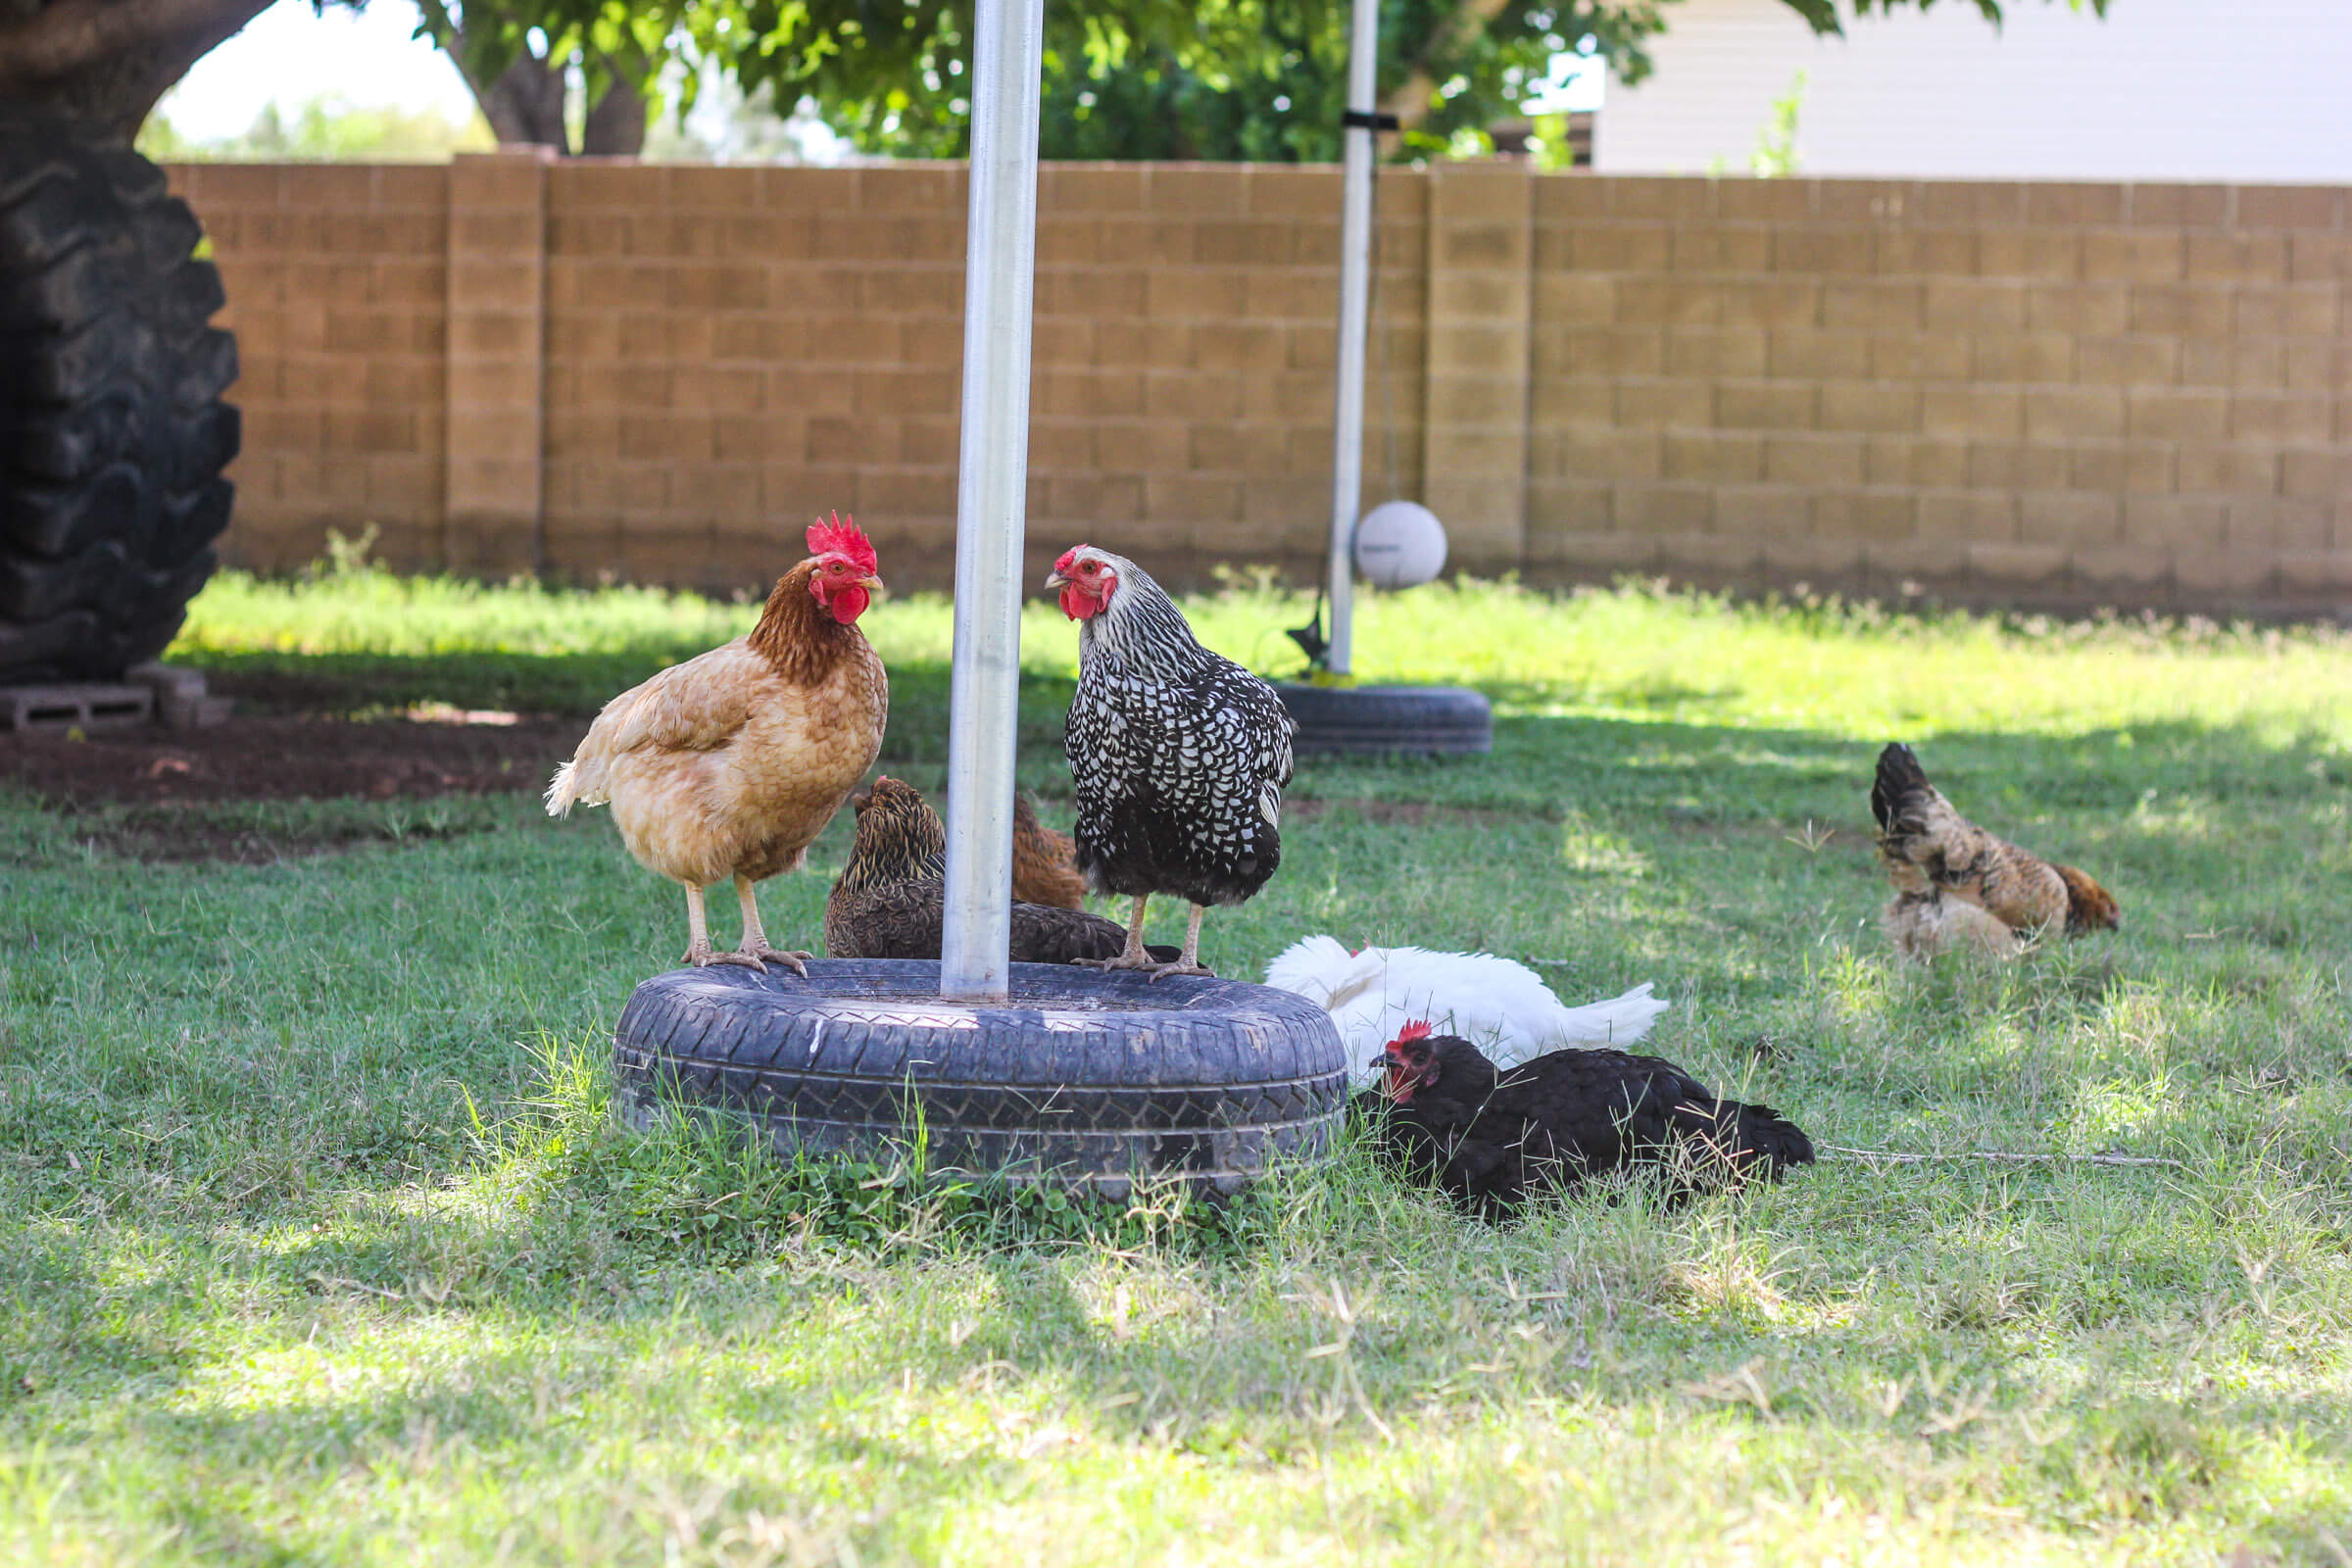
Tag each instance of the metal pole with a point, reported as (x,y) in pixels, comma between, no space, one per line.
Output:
(1355,279)
(984,684)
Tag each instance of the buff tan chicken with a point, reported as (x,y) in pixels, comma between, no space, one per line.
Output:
(1957,887)
(1045,862)
(732,762)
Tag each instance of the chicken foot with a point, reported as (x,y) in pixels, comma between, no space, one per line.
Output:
(1135,957)
(1190,962)
(698,951)
(754,950)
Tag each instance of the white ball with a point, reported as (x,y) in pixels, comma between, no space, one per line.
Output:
(1399,543)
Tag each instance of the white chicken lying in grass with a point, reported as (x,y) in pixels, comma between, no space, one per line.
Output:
(1503,1008)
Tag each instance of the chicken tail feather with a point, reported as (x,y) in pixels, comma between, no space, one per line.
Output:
(1618,1022)
(559,792)
(1771,1139)
(571,787)
(1901,779)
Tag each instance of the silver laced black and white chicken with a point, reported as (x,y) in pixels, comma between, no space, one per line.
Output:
(1179,755)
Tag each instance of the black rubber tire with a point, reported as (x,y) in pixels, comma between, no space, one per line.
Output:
(112,434)
(1086,1079)
(1435,721)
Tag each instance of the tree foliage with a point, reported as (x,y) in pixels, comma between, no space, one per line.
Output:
(1124,78)
(1260,80)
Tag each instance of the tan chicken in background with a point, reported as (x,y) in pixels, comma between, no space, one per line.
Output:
(732,762)
(1957,887)
(1045,864)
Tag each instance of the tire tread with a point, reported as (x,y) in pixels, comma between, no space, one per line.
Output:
(113,428)
(1206,1090)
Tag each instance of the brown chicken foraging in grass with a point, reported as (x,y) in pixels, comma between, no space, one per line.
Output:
(730,763)
(1045,864)
(1957,887)
(892,896)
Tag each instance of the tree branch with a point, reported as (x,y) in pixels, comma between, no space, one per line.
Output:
(1410,100)
(77,35)
(1998,1156)
(108,61)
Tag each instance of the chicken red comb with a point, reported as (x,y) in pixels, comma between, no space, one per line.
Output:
(841,536)
(1411,1031)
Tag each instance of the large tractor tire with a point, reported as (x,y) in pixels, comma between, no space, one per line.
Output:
(113,434)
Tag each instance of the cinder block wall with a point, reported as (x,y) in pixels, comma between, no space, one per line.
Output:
(338,291)
(2057,395)
(2037,394)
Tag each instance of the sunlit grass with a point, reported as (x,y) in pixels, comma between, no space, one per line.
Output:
(1630,652)
(319,1241)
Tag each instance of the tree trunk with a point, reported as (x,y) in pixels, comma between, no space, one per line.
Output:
(616,124)
(108,61)
(525,103)
(1409,101)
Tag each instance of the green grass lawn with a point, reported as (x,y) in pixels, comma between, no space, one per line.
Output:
(318,1244)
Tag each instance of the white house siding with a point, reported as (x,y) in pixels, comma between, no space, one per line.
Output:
(2241,90)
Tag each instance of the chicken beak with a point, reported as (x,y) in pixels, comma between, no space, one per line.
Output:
(1054,579)
(870,583)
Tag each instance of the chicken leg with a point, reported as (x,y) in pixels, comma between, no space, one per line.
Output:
(1136,957)
(1133,955)
(754,950)
(1190,962)
(698,951)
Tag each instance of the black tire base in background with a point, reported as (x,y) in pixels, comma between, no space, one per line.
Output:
(1391,720)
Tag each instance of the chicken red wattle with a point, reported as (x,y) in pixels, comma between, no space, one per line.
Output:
(845,567)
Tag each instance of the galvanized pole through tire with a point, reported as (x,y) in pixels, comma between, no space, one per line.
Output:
(984,684)
(1355,282)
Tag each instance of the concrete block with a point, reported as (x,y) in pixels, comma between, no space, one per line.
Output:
(2018,566)
(1883,202)
(2175,414)
(83,705)
(2167,205)
(2128,361)
(1874,515)
(2291,207)
(1814,460)
(2035,255)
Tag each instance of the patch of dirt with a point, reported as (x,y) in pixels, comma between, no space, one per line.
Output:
(197,835)
(287,758)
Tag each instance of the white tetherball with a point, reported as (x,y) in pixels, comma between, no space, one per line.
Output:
(1399,543)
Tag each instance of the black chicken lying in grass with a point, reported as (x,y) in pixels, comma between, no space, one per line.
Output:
(890,897)
(1446,1113)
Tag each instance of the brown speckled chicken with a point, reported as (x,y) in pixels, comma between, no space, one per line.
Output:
(730,763)
(890,900)
(1957,887)
(1045,864)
